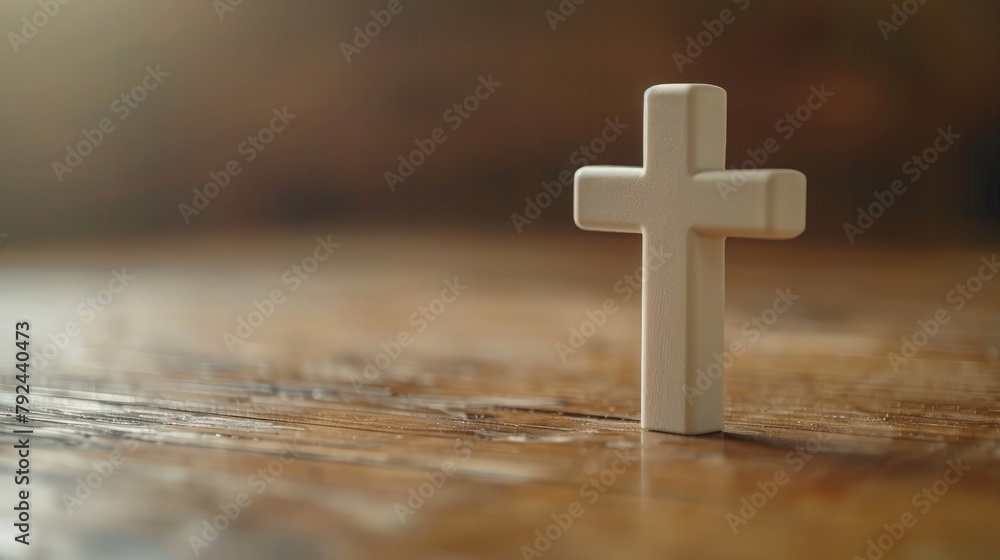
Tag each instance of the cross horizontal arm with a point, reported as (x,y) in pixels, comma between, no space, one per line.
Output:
(758,204)
(609,199)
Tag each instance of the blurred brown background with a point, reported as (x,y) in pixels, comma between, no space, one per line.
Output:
(229,68)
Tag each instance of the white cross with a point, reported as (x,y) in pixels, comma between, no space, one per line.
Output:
(685,202)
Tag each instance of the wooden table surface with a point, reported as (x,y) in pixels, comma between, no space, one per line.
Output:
(478,440)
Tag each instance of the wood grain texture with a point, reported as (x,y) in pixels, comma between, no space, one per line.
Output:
(483,391)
